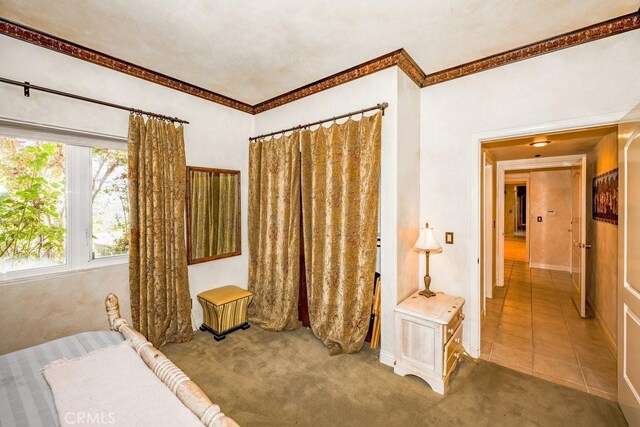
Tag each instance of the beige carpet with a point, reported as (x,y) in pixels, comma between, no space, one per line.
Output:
(265,378)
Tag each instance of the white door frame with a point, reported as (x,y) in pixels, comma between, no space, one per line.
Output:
(521,164)
(475,142)
(488,190)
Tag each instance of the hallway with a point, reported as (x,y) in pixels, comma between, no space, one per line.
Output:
(533,326)
(515,248)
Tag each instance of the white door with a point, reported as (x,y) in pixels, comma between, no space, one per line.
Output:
(488,231)
(629,267)
(578,229)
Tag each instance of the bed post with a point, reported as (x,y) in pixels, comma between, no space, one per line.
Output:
(112,305)
(186,390)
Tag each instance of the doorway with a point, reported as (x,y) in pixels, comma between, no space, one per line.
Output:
(532,323)
(516,242)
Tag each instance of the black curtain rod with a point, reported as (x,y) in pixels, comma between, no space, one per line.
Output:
(28,86)
(380,106)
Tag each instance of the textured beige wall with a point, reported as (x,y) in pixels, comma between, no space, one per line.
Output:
(602,258)
(509,209)
(549,240)
(34,311)
(589,80)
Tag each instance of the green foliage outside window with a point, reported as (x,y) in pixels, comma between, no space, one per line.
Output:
(32,201)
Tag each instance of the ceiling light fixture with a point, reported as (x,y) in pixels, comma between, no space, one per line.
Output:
(539,144)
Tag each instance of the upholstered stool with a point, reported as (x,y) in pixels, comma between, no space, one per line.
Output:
(224,310)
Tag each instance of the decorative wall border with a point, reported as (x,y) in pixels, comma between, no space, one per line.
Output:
(48,41)
(399,58)
(591,33)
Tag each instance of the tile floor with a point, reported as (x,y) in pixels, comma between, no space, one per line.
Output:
(533,326)
(515,248)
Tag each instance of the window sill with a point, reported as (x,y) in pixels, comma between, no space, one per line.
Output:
(60,271)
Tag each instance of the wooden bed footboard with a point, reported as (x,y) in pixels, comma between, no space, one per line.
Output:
(186,390)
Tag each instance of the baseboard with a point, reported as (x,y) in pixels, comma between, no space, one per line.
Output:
(471,351)
(551,267)
(387,358)
(488,292)
(612,343)
(195,324)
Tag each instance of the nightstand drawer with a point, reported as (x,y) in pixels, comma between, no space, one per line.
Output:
(452,350)
(453,325)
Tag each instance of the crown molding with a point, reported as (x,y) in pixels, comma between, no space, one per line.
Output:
(48,41)
(405,62)
(591,33)
(399,58)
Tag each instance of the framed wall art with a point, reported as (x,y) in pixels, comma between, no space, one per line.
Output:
(605,197)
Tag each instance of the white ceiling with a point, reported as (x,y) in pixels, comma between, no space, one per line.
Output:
(562,144)
(252,50)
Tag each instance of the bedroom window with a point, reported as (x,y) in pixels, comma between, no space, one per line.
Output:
(63,206)
(32,204)
(109,202)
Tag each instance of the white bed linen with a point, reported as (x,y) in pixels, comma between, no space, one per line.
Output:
(113,386)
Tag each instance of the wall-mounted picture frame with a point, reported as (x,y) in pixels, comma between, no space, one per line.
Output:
(605,197)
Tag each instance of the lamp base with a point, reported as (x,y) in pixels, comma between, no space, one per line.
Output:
(427,293)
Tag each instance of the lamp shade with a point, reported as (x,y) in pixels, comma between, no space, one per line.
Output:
(427,241)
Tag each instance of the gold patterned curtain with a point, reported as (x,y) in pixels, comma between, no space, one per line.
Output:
(160,300)
(274,231)
(340,193)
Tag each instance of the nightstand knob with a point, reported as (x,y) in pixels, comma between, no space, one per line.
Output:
(457,340)
(462,316)
(450,331)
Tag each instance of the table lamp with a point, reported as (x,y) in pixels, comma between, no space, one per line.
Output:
(428,244)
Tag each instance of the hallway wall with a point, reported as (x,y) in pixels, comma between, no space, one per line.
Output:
(550,242)
(602,258)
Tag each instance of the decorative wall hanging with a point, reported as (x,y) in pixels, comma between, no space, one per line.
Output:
(605,197)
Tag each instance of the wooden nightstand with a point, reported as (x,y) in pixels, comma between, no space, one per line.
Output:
(429,338)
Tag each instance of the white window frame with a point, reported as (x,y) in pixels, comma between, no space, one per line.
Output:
(79,218)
